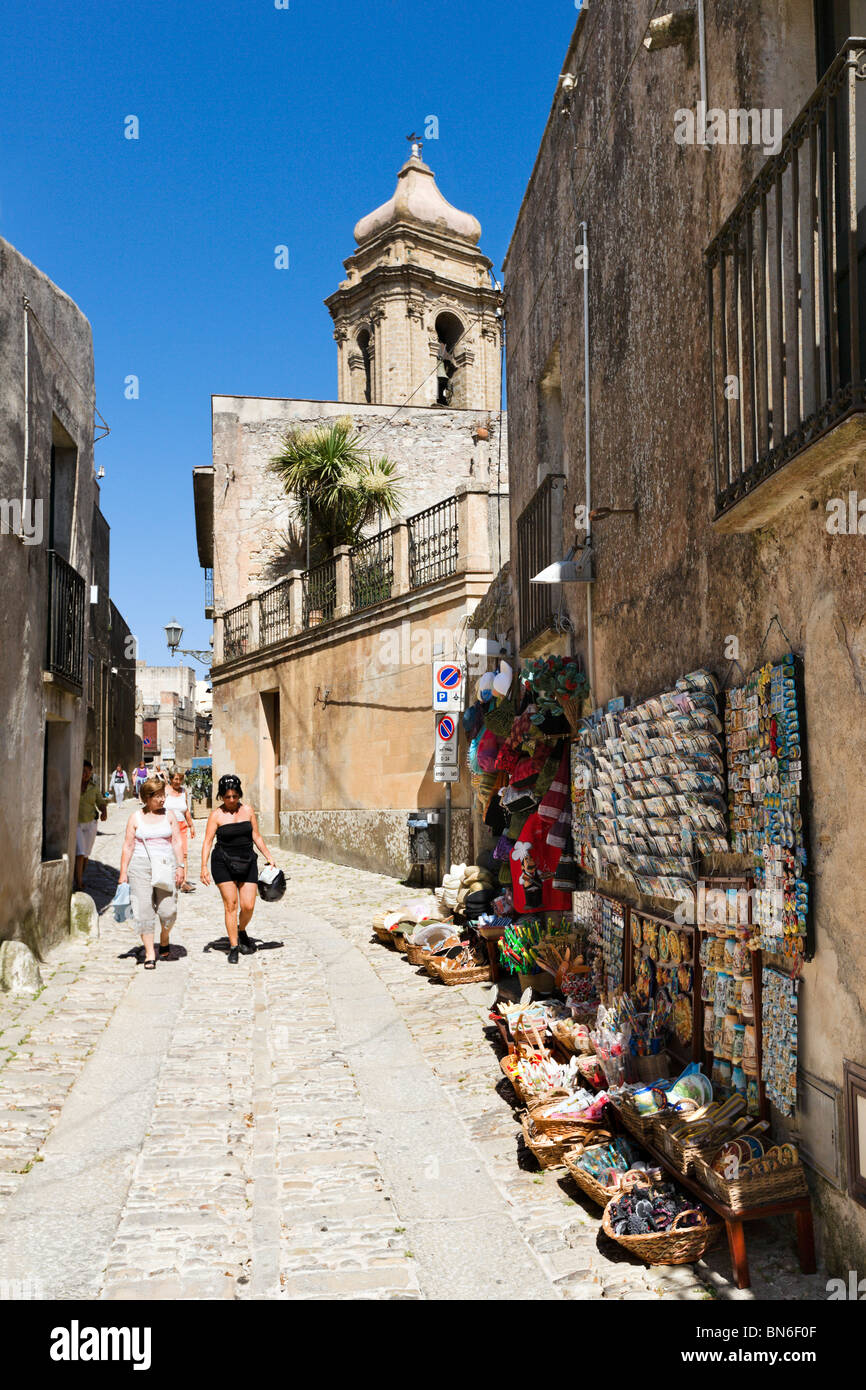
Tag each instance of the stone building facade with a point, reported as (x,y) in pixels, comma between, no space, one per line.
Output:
(726,526)
(165,713)
(110,671)
(49,498)
(418,329)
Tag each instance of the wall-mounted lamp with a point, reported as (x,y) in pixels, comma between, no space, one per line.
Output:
(487,646)
(575,568)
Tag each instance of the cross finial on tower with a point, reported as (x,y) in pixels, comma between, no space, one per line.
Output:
(415,142)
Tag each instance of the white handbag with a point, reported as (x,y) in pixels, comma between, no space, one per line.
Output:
(162,870)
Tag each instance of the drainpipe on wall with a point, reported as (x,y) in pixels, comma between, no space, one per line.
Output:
(590,645)
(702,52)
(26,411)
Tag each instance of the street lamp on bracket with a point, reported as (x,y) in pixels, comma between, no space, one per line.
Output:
(173,634)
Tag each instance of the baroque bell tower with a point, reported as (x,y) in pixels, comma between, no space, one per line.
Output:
(417,314)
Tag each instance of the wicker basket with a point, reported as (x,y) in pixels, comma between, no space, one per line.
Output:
(639,1126)
(508,1066)
(400,942)
(753,1190)
(677,1246)
(416,955)
(463,975)
(383,934)
(548,1153)
(579,1131)
(682,1153)
(586,1182)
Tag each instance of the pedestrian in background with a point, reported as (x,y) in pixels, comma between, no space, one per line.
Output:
(119,784)
(177,801)
(139,776)
(92,806)
(151,862)
(233,863)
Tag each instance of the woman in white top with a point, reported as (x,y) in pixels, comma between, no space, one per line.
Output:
(152,849)
(177,801)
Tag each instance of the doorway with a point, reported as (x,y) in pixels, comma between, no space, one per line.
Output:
(270,768)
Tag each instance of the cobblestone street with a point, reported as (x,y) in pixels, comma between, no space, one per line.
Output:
(320,1121)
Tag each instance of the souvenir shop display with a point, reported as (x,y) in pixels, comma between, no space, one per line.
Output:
(663,971)
(608,937)
(730,964)
(528,945)
(634,1043)
(779,1038)
(764,729)
(655,802)
(601,1170)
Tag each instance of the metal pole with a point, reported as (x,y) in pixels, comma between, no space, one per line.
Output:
(447,827)
(308,534)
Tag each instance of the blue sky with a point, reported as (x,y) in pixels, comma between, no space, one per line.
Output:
(258,127)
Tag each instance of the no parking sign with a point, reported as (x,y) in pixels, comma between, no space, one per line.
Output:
(447,686)
(446,741)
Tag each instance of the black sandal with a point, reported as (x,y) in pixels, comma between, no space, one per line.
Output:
(164,951)
(150,965)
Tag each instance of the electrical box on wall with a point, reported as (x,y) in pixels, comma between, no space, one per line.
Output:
(820,1126)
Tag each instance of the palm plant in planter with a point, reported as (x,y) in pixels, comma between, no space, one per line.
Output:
(326,470)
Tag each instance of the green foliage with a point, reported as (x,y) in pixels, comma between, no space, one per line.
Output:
(346,488)
(200,783)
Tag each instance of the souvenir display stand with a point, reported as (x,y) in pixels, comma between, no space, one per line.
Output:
(645,1051)
(662,956)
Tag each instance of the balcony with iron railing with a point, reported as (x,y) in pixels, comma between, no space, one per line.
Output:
(539,543)
(786,295)
(432,546)
(372,571)
(65,652)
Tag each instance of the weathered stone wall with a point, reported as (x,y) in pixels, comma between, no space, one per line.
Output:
(374,840)
(254,541)
(669,589)
(34,903)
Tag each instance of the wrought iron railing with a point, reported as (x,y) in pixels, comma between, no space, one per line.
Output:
(535,542)
(320,593)
(236,631)
(433,537)
(275,623)
(785,294)
(65,655)
(372,570)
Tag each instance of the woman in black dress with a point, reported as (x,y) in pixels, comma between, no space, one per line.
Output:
(234,865)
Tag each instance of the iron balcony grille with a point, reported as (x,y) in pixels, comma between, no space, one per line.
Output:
(274,614)
(372,570)
(433,536)
(320,593)
(236,632)
(534,553)
(785,292)
(65,656)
